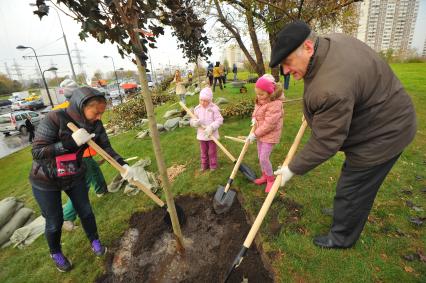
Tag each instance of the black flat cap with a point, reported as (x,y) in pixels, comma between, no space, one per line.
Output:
(288,39)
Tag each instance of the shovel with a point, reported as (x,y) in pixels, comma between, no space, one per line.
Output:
(139,185)
(266,204)
(223,199)
(247,171)
(235,139)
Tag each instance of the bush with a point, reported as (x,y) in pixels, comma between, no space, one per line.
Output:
(243,108)
(165,83)
(128,115)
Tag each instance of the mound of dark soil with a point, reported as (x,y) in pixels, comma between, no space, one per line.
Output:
(147,250)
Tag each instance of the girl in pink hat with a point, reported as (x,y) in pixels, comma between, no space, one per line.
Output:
(268,118)
(208,122)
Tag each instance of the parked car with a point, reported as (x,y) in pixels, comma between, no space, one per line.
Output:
(6,124)
(15,121)
(20,105)
(35,104)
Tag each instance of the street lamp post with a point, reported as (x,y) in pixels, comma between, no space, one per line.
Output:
(44,80)
(116,77)
(21,47)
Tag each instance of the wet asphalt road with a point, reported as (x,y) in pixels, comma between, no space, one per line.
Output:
(12,143)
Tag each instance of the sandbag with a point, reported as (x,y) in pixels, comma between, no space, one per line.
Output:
(221,100)
(146,178)
(142,134)
(7,209)
(116,184)
(17,221)
(172,124)
(26,235)
(183,123)
(171,113)
(160,127)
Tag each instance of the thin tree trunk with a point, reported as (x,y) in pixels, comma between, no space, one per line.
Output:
(276,70)
(235,33)
(260,66)
(155,138)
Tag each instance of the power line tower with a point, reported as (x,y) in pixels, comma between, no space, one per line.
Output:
(79,61)
(18,71)
(7,71)
(38,75)
(54,65)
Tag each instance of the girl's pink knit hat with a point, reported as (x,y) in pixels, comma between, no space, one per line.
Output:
(266,83)
(206,94)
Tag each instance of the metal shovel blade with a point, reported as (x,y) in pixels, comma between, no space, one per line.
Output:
(222,202)
(248,172)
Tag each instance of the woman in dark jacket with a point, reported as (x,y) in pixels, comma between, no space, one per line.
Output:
(57,166)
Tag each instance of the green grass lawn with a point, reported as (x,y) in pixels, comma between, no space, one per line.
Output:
(377,257)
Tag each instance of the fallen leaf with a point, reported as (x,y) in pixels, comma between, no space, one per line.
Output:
(422,257)
(384,256)
(408,269)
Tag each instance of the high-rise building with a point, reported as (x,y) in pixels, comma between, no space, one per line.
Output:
(424,49)
(234,55)
(387,24)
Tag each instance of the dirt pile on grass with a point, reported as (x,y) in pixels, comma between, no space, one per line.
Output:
(147,253)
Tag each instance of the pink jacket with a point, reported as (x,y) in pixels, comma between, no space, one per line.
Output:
(269,121)
(208,116)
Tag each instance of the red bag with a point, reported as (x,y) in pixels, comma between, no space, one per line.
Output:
(66,164)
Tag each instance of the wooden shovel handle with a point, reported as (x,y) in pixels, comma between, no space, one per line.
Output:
(227,153)
(120,168)
(268,201)
(234,139)
(239,160)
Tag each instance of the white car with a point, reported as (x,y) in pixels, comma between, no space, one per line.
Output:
(20,105)
(6,124)
(15,121)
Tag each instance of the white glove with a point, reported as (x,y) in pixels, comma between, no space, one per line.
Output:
(129,174)
(81,136)
(251,138)
(286,174)
(253,122)
(195,123)
(208,131)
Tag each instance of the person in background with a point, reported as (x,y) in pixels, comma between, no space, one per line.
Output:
(217,76)
(30,128)
(235,71)
(210,74)
(180,86)
(208,122)
(190,77)
(225,74)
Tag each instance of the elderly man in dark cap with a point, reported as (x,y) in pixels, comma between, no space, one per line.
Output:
(354,103)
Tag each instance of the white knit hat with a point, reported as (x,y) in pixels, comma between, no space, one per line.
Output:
(68,86)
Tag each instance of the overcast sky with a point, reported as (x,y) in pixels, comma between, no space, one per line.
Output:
(18,26)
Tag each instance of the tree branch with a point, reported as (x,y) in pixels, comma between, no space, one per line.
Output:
(276,7)
(300,9)
(336,8)
(255,14)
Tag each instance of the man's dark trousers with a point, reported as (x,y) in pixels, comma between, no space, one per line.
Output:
(355,194)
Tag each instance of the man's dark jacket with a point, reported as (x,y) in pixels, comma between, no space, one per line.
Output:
(354,103)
